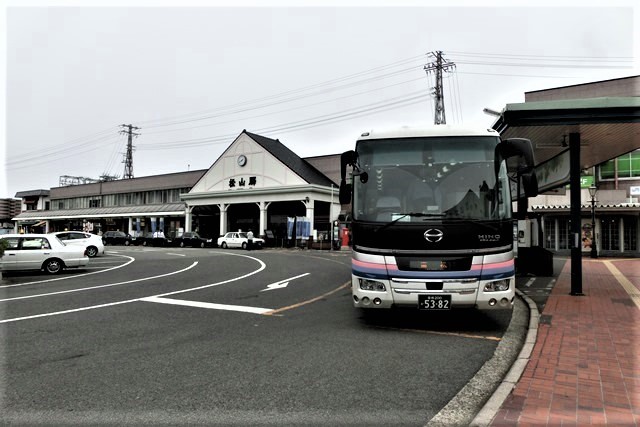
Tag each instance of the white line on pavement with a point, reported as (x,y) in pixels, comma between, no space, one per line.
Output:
(131,259)
(212,306)
(262,267)
(101,286)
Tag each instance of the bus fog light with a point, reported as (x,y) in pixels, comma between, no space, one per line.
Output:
(377,301)
(355,298)
(366,301)
(372,285)
(497,286)
(504,302)
(492,302)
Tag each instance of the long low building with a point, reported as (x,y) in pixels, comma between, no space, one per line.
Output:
(257,183)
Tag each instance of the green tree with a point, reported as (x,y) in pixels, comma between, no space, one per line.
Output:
(3,245)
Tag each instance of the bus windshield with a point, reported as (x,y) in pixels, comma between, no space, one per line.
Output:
(415,179)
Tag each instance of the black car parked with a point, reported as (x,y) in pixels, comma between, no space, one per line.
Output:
(117,238)
(153,239)
(193,239)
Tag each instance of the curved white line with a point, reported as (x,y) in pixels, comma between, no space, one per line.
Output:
(35,316)
(262,267)
(101,286)
(131,259)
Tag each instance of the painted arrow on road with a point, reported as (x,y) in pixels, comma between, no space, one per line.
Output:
(282,283)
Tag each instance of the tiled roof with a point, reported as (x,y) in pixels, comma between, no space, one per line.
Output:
(292,160)
(609,206)
(170,208)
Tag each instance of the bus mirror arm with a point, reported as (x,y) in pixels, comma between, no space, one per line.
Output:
(519,147)
(348,158)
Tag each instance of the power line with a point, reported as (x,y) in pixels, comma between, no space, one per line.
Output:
(68,145)
(299,90)
(300,124)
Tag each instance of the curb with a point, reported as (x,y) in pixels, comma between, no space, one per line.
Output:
(491,408)
(469,406)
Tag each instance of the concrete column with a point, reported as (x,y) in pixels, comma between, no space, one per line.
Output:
(309,204)
(187,218)
(263,217)
(130,229)
(223,217)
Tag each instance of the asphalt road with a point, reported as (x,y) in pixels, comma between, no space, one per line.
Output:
(209,336)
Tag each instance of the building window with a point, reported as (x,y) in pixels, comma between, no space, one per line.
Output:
(550,233)
(630,234)
(564,231)
(628,167)
(610,230)
(95,203)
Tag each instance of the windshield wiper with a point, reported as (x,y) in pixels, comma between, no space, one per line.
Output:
(404,215)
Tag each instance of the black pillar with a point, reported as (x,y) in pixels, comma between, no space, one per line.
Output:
(575,241)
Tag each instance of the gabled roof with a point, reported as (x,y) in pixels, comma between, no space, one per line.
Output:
(292,160)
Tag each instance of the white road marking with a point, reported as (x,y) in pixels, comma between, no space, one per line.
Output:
(101,286)
(55,313)
(35,316)
(208,305)
(530,282)
(171,253)
(131,259)
(282,283)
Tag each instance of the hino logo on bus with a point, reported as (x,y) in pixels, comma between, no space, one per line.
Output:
(433,235)
(489,237)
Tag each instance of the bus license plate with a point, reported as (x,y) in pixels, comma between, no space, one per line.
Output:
(434,302)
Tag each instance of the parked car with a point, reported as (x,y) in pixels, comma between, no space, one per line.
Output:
(193,239)
(41,252)
(153,239)
(117,238)
(91,242)
(238,239)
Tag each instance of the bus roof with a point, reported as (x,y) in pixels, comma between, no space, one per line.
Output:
(435,130)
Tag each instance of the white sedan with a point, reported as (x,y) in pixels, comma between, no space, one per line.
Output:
(237,239)
(40,252)
(91,242)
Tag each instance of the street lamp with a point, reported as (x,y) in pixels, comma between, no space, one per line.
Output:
(592,192)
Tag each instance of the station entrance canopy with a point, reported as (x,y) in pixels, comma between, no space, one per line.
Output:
(571,135)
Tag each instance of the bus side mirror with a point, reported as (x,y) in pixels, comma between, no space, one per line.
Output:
(348,158)
(517,147)
(345,193)
(530,184)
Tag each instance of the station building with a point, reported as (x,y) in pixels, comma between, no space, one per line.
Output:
(257,183)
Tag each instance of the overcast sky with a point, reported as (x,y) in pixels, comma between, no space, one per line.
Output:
(192,78)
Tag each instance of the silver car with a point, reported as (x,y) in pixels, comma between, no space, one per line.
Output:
(238,239)
(44,252)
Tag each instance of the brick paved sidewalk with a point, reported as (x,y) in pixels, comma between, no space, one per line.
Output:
(585,365)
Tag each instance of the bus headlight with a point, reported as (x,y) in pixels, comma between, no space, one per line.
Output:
(372,285)
(497,286)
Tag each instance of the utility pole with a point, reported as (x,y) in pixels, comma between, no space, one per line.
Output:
(128,159)
(438,66)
